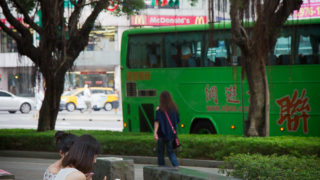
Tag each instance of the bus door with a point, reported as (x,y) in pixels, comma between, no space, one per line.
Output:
(146,117)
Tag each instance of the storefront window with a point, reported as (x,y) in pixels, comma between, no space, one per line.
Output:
(20,84)
(7,44)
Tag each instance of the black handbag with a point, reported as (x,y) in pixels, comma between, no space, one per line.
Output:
(175,142)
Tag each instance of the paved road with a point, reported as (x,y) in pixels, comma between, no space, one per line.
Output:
(97,120)
(33,168)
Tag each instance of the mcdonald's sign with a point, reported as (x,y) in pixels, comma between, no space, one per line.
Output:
(199,20)
(138,20)
(141,20)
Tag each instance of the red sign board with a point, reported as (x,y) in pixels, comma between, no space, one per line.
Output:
(142,20)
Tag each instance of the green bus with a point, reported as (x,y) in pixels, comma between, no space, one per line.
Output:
(210,95)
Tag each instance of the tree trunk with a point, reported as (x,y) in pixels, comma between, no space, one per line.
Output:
(255,124)
(50,105)
(268,18)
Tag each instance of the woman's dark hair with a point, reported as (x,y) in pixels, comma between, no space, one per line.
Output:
(166,102)
(64,141)
(81,154)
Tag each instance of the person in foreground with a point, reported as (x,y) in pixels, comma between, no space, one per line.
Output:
(163,133)
(64,141)
(78,163)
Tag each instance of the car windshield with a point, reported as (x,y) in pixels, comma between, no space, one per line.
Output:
(69,93)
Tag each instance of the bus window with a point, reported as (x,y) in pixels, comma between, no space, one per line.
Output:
(282,51)
(144,51)
(153,56)
(217,54)
(183,49)
(308,45)
(305,51)
(218,49)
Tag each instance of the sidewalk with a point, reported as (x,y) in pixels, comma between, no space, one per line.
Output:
(31,165)
(136,159)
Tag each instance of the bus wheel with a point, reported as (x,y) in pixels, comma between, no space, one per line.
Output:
(203,127)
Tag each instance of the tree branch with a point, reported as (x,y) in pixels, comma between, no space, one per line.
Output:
(79,39)
(284,10)
(274,15)
(239,34)
(74,18)
(24,39)
(27,18)
(89,23)
(11,33)
(12,20)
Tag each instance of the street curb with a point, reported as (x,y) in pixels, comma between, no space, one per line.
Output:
(136,159)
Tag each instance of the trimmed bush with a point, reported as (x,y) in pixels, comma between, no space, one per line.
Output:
(193,146)
(273,167)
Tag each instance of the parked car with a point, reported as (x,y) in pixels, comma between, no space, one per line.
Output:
(102,98)
(12,103)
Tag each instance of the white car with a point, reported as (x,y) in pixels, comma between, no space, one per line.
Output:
(12,103)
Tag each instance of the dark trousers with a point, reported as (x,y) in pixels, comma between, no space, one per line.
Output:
(172,156)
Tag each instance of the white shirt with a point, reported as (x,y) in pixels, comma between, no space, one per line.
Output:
(87,94)
(49,175)
(64,172)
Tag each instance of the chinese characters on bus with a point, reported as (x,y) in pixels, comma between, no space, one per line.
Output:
(231,99)
(293,110)
(231,94)
(212,93)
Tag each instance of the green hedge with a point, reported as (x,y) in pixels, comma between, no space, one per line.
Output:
(273,167)
(193,146)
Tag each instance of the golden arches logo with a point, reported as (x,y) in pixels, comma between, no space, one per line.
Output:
(199,20)
(139,20)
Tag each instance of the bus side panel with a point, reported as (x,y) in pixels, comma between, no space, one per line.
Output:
(294,100)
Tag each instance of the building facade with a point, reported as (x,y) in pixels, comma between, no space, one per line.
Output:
(99,63)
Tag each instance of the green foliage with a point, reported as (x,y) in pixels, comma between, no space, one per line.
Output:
(193,146)
(129,7)
(273,167)
(28,5)
(193,2)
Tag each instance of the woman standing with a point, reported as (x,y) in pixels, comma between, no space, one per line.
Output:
(163,133)
(78,163)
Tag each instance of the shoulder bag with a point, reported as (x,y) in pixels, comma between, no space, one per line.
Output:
(175,143)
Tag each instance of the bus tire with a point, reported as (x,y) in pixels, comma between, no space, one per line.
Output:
(203,127)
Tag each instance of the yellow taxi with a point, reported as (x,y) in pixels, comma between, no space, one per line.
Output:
(70,100)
